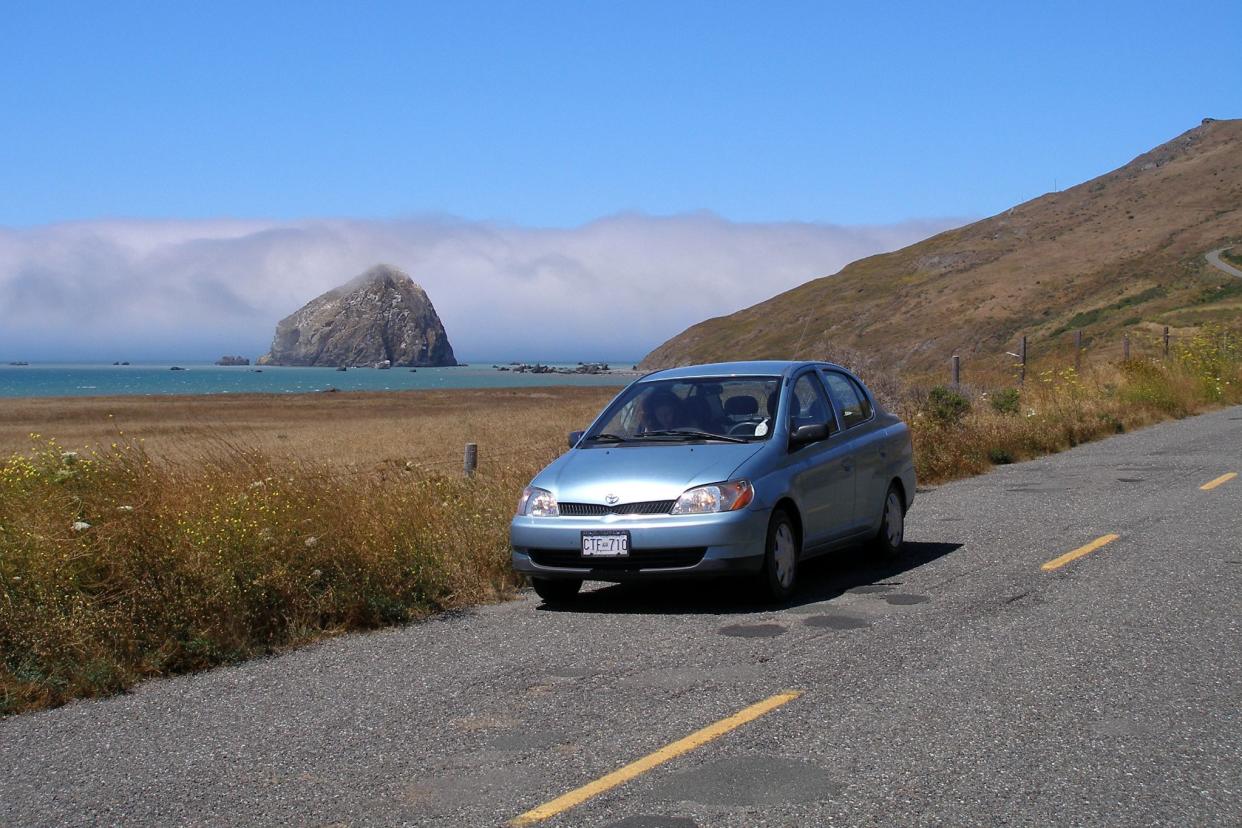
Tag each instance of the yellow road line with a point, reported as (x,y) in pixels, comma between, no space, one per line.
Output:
(1212,484)
(1057,563)
(638,767)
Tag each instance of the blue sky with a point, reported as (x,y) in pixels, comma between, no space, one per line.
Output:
(554,114)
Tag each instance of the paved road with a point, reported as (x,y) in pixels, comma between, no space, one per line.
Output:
(966,686)
(1214,260)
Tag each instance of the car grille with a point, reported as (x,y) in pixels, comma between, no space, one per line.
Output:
(650,507)
(637,559)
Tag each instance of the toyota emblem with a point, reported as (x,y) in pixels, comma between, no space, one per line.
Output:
(611,499)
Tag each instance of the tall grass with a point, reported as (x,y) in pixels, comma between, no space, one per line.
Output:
(961,432)
(116,565)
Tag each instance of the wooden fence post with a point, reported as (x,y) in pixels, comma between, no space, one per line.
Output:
(1166,341)
(472,459)
(1022,376)
(957,370)
(1125,347)
(1078,352)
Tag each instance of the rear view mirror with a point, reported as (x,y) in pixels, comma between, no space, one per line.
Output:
(810,433)
(575,437)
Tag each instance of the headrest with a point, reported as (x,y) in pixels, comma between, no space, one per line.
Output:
(741,406)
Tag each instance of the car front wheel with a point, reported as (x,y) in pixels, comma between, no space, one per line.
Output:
(780,560)
(556,591)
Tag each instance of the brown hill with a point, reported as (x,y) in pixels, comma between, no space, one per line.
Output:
(1125,250)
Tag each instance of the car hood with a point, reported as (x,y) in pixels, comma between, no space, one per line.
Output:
(635,474)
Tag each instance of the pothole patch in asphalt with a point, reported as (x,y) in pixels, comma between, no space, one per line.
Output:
(572,672)
(752,630)
(836,622)
(905,599)
(749,780)
(652,821)
(529,740)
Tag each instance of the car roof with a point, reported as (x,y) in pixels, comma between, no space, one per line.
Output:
(761,368)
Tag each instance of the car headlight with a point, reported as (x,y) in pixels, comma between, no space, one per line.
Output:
(537,502)
(717,497)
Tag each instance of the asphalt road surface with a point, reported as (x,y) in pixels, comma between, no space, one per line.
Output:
(987,679)
(1214,260)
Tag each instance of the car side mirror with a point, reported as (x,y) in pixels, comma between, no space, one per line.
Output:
(810,433)
(575,437)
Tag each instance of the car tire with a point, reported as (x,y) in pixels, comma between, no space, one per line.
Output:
(779,576)
(892,533)
(556,591)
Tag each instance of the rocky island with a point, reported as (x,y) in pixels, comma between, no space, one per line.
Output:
(381,317)
(232,360)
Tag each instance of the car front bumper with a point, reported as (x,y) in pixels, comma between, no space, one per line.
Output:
(661,546)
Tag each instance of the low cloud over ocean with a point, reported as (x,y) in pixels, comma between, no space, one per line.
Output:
(611,289)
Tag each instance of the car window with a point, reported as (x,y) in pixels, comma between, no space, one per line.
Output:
(733,407)
(854,405)
(809,405)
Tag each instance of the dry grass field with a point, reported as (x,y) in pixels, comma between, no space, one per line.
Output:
(142,537)
(349,431)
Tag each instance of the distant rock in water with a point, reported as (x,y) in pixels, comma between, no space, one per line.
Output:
(233,360)
(379,317)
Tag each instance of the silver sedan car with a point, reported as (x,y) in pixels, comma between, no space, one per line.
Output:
(733,468)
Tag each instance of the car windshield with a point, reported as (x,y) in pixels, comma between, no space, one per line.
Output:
(726,409)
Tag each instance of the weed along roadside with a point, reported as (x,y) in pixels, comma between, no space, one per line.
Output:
(965,430)
(119,563)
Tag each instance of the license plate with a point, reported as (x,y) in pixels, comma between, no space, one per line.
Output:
(605,544)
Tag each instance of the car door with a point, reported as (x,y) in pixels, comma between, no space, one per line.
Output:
(822,473)
(860,430)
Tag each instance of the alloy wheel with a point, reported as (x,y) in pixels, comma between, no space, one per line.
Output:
(784,555)
(894,520)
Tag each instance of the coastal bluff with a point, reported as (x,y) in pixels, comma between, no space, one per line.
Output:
(381,316)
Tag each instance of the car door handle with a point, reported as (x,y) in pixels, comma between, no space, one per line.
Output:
(847,465)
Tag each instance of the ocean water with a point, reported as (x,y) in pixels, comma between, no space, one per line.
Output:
(85,380)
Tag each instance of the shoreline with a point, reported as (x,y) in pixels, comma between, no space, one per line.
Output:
(99,381)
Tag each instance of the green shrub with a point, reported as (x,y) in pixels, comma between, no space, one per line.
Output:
(1000,456)
(947,406)
(1111,422)
(1005,401)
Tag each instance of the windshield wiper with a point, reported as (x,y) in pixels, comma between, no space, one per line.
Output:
(611,438)
(693,433)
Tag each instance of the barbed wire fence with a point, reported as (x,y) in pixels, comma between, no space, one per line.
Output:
(1160,346)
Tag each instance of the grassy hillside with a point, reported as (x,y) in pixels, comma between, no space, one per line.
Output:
(1124,251)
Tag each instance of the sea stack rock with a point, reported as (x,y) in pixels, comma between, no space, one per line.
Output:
(380,316)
